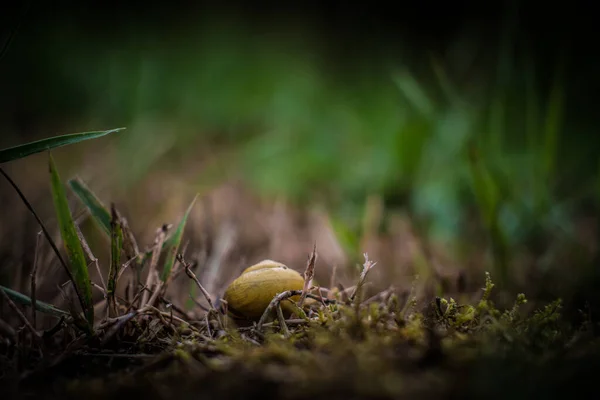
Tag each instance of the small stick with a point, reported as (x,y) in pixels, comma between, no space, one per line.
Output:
(309,274)
(284,328)
(21,316)
(333,276)
(276,300)
(100,288)
(367,266)
(294,321)
(192,276)
(161,234)
(124,266)
(121,321)
(156,292)
(282,296)
(136,297)
(34,281)
(90,255)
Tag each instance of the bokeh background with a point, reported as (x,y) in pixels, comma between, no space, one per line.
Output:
(443,139)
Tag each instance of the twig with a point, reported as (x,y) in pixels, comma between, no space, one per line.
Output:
(46,233)
(21,316)
(136,297)
(309,274)
(157,290)
(161,234)
(120,322)
(52,331)
(333,276)
(284,328)
(173,306)
(177,319)
(34,281)
(192,276)
(90,255)
(196,302)
(100,288)
(276,300)
(294,321)
(367,266)
(124,266)
(207,325)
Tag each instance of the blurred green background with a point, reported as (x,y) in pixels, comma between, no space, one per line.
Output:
(480,127)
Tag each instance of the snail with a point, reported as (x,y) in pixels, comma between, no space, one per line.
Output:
(249,295)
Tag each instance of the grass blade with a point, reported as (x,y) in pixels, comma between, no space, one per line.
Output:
(98,210)
(24,150)
(40,305)
(172,244)
(116,245)
(78,265)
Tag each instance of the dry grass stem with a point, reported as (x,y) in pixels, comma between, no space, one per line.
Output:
(309,274)
(21,316)
(367,266)
(90,255)
(34,281)
(192,276)
(282,324)
(161,235)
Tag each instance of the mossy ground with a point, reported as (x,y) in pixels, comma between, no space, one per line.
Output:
(380,350)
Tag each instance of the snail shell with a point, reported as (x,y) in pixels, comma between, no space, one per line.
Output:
(249,295)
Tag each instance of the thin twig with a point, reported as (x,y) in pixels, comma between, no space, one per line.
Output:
(333,276)
(46,233)
(90,255)
(124,266)
(367,266)
(136,297)
(21,316)
(34,281)
(157,290)
(161,234)
(276,300)
(309,274)
(100,288)
(121,321)
(284,328)
(192,276)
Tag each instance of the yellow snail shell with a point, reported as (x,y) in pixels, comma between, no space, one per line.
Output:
(249,295)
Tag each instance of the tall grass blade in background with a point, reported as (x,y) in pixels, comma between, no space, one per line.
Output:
(24,150)
(98,210)
(116,245)
(77,263)
(39,305)
(489,197)
(172,244)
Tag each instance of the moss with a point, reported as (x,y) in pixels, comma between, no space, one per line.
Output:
(377,350)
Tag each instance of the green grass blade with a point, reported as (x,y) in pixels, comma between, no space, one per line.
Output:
(172,244)
(77,263)
(116,245)
(24,150)
(98,210)
(554,114)
(39,305)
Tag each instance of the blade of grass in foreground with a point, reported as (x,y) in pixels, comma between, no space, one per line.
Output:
(172,244)
(116,245)
(39,305)
(77,263)
(99,212)
(24,150)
